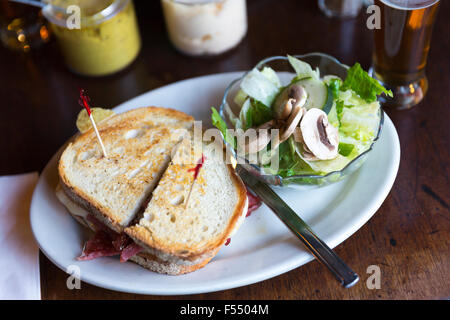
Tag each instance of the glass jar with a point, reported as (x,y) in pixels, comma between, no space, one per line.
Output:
(107,39)
(205,27)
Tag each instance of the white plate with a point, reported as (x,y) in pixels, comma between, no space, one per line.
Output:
(263,244)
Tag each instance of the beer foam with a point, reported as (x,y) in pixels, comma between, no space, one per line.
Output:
(409,4)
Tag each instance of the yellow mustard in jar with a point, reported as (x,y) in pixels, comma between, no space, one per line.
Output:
(107,41)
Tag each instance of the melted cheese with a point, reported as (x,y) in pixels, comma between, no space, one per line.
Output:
(71,206)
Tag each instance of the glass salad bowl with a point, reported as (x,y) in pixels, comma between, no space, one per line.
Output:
(327,65)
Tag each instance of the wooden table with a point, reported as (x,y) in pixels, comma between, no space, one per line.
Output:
(408,237)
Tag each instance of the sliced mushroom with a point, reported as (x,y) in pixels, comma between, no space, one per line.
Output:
(319,137)
(268,125)
(298,93)
(290,98)
(258,141)
(288,111)
(298,135)
(287,128)
(292,123)
(308,155)
(305,152)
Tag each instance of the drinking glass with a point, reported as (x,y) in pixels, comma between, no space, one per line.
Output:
(340,8)
(401,48)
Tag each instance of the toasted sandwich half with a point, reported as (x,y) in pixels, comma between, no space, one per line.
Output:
(195,208)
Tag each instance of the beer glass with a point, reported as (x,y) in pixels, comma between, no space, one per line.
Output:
(401,48)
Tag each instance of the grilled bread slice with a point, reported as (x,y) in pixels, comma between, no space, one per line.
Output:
(181,234)
(139,145)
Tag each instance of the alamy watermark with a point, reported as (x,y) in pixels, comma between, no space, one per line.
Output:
(74,279)
(374,19)
(73,20)
(374,280)
(246,146)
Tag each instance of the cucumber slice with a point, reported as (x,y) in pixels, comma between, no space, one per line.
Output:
(317,93)
(298,78)
(329,104)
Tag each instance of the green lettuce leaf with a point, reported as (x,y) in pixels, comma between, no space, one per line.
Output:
(335,84)
(220,124)
(364,85)
(257,114)
(290,164)
(288,159)
(339,110)
(302,68)
(345,149)
(259,87)
(270,74)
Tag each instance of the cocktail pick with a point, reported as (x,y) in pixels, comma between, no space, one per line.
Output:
(84,102)
(196,170)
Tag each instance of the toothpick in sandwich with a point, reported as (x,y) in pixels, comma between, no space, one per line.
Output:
(84,102)
(196,170)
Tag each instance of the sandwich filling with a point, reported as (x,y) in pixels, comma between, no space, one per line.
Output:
(104,242)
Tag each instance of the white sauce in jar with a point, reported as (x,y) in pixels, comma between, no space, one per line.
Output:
(202,27)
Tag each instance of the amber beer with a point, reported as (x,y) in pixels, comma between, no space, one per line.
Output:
(401,48)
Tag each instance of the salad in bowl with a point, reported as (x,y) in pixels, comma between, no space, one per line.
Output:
(301,120)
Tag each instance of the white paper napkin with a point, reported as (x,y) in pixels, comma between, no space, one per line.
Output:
(19,253)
